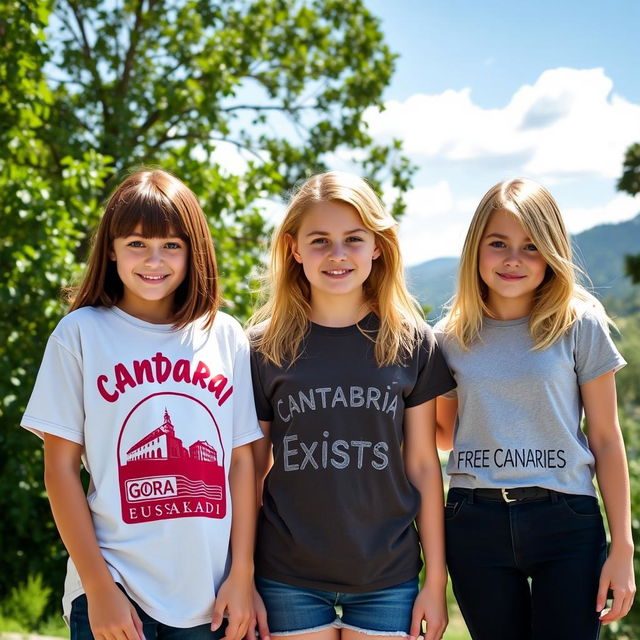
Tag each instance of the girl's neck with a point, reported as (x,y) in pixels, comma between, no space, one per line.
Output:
(338,312)
(151,313)
(509,309)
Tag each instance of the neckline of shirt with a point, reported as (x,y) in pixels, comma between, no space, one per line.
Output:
(142,324)
(367,323)
(493,322)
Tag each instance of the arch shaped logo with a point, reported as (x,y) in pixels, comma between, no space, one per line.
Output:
(171,460)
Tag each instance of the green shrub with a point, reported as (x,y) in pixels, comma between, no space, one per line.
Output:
(54,626)
(26,603)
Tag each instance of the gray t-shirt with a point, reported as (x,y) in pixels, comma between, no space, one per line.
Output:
(338,509)
(520,411)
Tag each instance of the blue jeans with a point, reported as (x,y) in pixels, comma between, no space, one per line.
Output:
(526,570)
(152,629)
(292,610)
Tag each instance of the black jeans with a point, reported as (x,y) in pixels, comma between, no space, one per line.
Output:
(152,629)
(526,570)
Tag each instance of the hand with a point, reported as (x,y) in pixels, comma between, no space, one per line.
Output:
(430,606)
(235,598)
(617,575)
(258,619)
(113,616)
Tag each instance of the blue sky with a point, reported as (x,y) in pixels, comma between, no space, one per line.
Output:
(489,90)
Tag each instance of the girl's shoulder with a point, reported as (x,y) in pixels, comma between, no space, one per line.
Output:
(225,330)
(81,319)
(256,331)
(426,337)
(590,315)
(226,322)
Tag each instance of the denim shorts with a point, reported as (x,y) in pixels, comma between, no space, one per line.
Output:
(292,610)
(152,629)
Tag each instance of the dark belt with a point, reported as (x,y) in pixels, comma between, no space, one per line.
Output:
(517,494)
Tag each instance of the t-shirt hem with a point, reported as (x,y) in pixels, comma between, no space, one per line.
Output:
(613,365)
(40,427)
(246,438)
(155,614)
(337,587)
(433,393)
(456,483)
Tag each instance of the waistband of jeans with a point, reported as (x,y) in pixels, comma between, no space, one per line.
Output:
(515,494)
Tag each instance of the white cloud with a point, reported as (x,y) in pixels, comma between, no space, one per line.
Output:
(435,223)
(567,123)
(622,207)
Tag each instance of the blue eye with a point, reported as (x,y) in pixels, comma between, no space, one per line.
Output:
(136,244)
(318,241)
(531,247)
(173,245)
(498,244)
(354,239)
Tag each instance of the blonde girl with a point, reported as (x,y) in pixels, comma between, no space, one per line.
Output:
(530,351)
(345,377)
(148,386)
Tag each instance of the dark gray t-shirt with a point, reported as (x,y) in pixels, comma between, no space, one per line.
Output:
(338,509)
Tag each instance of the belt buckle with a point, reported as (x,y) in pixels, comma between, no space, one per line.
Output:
(505,497)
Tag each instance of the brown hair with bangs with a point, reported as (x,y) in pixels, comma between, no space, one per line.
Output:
(164,206)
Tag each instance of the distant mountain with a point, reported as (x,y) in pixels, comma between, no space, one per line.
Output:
(599,251)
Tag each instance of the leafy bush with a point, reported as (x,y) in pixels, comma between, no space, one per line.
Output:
(26,604)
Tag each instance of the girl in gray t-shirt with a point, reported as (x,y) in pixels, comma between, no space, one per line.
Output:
(530,351)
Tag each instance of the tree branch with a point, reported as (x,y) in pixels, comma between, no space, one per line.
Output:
(264,107)
(91,64)
(134,38)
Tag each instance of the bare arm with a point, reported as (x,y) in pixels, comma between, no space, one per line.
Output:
(446,412)
(110,612)
(235,595)
(423,470)
(607,446)
(263,457)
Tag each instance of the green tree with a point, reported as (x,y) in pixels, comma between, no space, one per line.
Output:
(92,88)
(630,183)
(38,236)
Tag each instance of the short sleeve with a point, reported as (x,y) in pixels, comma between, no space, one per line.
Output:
(56,405)
(438,332)
(262,404)
(434,378)
(595,352)
(245,422)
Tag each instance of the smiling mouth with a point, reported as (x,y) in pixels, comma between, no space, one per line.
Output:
(338,272)
(147,278)
(510,276)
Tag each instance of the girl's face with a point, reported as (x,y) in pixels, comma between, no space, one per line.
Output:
(335,250)
(151,269)
(510,265)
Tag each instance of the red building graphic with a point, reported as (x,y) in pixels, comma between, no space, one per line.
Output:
(202,450)
(160,478)
(162,444)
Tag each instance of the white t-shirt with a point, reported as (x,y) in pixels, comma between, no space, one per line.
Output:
(158,412)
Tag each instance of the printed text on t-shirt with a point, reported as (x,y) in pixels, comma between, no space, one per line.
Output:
(510,458)
(159,369)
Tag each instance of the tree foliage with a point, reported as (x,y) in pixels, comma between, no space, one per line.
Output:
(630,183)
(240,98)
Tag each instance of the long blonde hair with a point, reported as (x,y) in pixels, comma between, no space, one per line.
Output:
(288,294)
(558,299)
